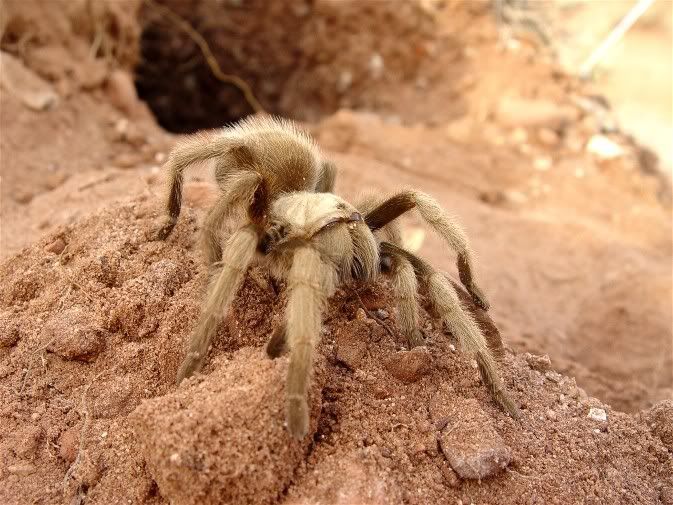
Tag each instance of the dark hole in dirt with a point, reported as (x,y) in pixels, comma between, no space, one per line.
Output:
(254,41)
(302,59)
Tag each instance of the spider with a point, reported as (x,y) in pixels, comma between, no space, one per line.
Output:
(315,241)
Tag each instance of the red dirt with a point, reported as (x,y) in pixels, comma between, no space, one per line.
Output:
(574,253)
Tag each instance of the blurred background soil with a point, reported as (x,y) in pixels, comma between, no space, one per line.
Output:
(563,186)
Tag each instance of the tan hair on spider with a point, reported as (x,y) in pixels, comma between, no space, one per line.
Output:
(315,241)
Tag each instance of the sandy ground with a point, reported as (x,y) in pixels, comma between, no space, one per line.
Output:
(574,250)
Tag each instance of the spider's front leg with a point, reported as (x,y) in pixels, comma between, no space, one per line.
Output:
(239,251)
(310,283)
(446,226)
(195,148)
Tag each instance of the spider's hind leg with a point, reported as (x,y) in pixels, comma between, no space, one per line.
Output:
(277,345)
(326,178)
(405,287)
(446,304)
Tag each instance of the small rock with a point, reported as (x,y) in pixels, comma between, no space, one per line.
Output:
(56,247)
(382,314)
(551,414)
(543,163)
(361,315)
(91,74)
(9,330)
(73,336)
(410,366)
(68,444)
(539,363)
(344,82)
(553,376)
(470,443)
(597,414)
(376,65)
(604,148)
(519,136)
(18,80)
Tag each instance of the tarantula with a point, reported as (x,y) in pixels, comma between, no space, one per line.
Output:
(315,241)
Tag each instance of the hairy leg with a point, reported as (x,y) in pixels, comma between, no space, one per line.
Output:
(447,305)
(310,282)
(239,188)
(447,227)
(195,148)
(277,344)
(405,287)
(445,302)
(239,252)
(327,177)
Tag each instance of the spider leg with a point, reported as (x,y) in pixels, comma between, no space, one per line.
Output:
(277,344)
(327,177)
(239,252)
(310,282)
(195,148)
(405,287)
(446,303)
(240,187)
(446,226)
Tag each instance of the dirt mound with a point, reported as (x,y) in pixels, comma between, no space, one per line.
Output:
(565,213)
(86,415)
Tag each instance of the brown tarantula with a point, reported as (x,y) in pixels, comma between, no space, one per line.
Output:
(315,241)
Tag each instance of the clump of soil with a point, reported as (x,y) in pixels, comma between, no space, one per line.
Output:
(83,423)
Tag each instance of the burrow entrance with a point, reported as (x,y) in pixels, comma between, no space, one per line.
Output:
(301,58)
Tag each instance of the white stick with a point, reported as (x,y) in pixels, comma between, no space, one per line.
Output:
(617,33)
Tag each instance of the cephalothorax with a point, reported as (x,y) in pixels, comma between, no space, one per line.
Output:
(315,241)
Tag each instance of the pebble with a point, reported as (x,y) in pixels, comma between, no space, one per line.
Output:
(604,148)
(410,366)
(68,444)
(56,247)
(539,363)
(471,444)
(73,335)
(551,414)
(597,414)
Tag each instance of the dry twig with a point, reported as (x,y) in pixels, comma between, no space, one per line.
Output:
(243,86)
